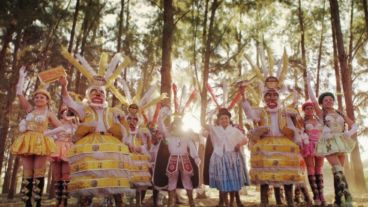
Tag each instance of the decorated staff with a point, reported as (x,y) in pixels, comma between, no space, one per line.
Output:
(335,141)
(33,145)
(275,158)
(99,159)
(177,155)
(226,168)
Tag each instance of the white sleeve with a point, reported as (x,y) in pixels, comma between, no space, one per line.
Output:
(67,100)
(193,150)
(250,113)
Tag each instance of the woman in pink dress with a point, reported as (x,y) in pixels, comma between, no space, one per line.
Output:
(313,127)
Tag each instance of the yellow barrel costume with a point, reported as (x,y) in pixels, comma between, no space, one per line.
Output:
(99,160)
(276,160)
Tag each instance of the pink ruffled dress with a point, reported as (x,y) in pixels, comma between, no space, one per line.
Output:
(63,143)
(314,133)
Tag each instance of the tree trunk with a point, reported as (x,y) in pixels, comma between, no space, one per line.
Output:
(302,45)
(71,40)
(7,177)
(365,8)
(207,55)
(167,36)
(14,179)
(6,40)
(10,98)
(320,50)
(337,72)
(120,33)
(347,87)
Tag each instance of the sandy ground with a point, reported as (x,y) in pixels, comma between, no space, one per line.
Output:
(249,197)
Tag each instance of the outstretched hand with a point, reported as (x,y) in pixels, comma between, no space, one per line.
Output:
(22,72)
(63,81)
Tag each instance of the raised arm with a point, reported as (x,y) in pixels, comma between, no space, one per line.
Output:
(53,119)
(353,128)
(19,90)
(67,100)
(313,97)
(164,112)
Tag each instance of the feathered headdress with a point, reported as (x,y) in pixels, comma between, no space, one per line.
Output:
(106,74)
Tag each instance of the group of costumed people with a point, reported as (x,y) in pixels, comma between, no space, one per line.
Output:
(96,150)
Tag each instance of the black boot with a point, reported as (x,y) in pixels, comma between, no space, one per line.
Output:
(26,191)
(289,195)
(118,200)
(58,189)
(314,188)
(155,197)
(65,192)
(305,193)
(345,190)
(38,184)
(319,181)
(264,195)
(297,195)
(338,194)
(277,192)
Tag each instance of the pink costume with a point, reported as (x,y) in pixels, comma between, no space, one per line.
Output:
(314,133)
(63,142)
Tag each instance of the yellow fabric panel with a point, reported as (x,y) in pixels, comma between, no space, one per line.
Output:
(98,165)
(277,176)
(98,183)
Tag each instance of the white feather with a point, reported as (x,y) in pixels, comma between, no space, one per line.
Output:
(112,65)
(145,98)
(225,93)
(263,60)
(126,91)
(279,68)
(183,93)
(85,64)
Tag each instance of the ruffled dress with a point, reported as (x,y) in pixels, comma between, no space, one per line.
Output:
(314,133)
(335,142)
(33,141)
(63,143)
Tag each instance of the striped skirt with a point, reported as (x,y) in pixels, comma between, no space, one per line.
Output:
(227,173)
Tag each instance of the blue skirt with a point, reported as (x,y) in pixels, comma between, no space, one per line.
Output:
(228,173)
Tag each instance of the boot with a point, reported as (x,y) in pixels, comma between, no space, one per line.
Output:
(26,191)
(264,195)
(289,195)
(277,192)
(38,184)
(118,200)
(338,195)
(305,193)
(58,189)
(298,195)
(315,189)
(346,192)
(319,181)
(65,192)
(155,196)
(85,201)
(138,198)
(190,198)
(171,202)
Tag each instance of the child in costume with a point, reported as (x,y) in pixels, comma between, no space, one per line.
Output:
(335,141)
(313,127)
(60,165)
(34,145)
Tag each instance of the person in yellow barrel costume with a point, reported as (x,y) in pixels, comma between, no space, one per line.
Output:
(99,159)
(275,158)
